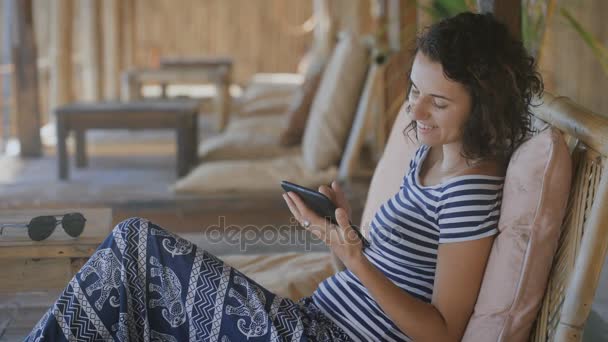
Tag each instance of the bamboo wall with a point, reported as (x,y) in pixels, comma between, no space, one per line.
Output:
(261,35)
(568,66)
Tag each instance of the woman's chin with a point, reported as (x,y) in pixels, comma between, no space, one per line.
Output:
(427,140)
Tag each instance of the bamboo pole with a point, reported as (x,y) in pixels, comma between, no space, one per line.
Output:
(5,110)
(111,48)
(575,120)
(92,80)
(128,33)
(368,111)
(62,12)
(507,11)
(26,79)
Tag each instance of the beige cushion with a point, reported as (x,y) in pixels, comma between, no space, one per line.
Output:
(298,111)
(334,106)
(536,190)
(265,106)
(292,275)
(391,168)
(266,86)
(268,94)
(267,124)
(251,175)
(249,138)
(261,82)
(243,146)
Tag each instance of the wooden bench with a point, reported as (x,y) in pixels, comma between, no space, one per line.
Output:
(180,115)
(185,70)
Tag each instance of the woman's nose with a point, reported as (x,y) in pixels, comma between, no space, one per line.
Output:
(418,110)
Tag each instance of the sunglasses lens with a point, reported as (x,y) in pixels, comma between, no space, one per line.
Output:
(73,224)
(41,227)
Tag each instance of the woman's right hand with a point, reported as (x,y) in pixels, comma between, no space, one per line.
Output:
(337,196)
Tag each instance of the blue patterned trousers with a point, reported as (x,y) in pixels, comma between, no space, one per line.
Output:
(146,284)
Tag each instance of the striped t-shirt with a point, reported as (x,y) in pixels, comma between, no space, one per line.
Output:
(404,236)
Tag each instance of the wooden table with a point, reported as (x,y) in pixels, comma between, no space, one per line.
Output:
(181,115)
(185,70)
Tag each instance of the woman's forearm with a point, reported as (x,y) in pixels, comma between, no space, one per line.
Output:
(417,319)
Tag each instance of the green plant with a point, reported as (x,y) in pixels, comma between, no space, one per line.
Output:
(439,9)
(600,51)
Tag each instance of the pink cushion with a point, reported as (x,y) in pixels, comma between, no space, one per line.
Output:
(536,190)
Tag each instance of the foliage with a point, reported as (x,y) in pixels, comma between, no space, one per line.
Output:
(600,51)
(440,9)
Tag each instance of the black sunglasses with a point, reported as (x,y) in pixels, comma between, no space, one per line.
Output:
(41,227)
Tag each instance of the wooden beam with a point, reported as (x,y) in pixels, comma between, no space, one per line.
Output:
(111,48)
(507,11)
(128,18)
(62,13)
(5,109)
(26,79)
(92,80)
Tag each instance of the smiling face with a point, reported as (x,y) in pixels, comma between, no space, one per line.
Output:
(439,106)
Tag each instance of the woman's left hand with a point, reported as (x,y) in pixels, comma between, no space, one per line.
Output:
(341,238)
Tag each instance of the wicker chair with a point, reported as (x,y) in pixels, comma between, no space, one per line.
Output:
(582,247)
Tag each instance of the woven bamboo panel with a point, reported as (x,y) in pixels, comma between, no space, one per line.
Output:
(568,65)
(261,35)
(585,183)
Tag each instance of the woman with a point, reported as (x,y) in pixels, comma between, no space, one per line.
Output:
(471,88)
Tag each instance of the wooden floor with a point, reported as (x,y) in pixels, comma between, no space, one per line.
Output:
(123,166)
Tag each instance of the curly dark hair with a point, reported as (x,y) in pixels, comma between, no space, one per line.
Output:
(479,52)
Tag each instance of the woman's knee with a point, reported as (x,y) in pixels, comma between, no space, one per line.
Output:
(130,226)
(137,225)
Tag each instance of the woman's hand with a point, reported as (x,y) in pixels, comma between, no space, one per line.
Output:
(341,238)
(337,196)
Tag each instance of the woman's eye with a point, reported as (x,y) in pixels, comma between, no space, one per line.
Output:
(440,106)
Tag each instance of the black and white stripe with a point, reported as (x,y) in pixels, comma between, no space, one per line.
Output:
(404,237)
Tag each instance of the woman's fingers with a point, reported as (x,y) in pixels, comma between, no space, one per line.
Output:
(340,197)
(325,190)
(292,207)
(342,217)
(343,220)
(317,225)
(337,190)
